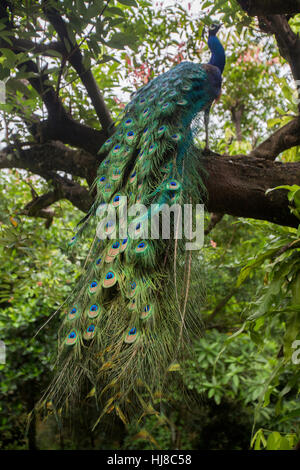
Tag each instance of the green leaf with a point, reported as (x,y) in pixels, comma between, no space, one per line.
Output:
(119,40)
(128,3)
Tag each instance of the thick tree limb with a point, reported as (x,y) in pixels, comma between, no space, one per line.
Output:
(76,60)
(235,185)
(45,158)
(69,131)
(64,189)
(59,125)
(288,42)
(286,137)
(270,7)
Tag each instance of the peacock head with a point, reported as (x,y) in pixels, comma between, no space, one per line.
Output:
(214,28)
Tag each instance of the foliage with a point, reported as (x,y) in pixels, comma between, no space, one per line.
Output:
(244,376)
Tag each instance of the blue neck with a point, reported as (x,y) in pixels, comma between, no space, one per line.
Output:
(217,53)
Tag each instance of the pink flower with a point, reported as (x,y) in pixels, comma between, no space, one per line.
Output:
(213,244)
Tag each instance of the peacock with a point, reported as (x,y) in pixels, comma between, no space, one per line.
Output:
(130,321)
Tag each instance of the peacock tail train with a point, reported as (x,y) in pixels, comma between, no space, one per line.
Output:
(131,316)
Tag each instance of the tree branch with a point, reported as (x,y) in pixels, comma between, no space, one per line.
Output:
(59,125)
(76,60)
(284,138)
(288,42)
(235,185)
(43,159)
(270,7)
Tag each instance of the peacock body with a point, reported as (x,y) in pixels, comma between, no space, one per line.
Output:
(130,316)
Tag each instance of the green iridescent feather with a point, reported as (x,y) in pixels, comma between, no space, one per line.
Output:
(130,316)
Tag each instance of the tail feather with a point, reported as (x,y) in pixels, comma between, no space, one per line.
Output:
(130,316)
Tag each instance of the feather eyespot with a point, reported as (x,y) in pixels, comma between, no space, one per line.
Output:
(73,240)
(132,177)
(147,312)
(71,338)
(108,142)
(132,305)
(124,245)
(173,197)
(110,279)
(94,311)
(109,227)
(141,247)
(101,180)
(93,287)
(173,184)
(117,200)
(161,130)
(182,102)
(131,336)
(116,149)
(128,122)
(152,148)
(132,289)
(165,105)
(116,174)
(114,250)
(141,154)
(107,188)
(73,313)
(105,163)
(176,137)
(130,134)
(90,332)
(138,229)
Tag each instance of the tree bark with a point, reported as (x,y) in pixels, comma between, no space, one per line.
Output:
(270,7)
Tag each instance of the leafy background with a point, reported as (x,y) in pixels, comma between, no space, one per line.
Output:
(243,380)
